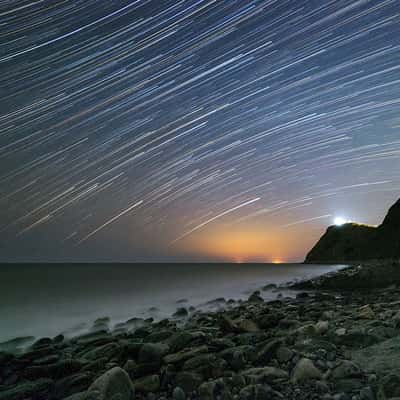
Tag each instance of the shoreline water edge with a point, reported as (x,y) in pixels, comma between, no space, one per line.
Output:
(337,339)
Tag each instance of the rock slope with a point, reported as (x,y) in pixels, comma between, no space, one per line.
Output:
(354,242)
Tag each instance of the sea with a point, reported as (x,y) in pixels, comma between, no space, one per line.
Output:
(44,300)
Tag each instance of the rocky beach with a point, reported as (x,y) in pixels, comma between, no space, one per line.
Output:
(338,338)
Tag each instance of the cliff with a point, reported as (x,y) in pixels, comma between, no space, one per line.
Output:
(354,242)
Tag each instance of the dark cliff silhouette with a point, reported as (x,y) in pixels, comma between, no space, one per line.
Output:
(354,242)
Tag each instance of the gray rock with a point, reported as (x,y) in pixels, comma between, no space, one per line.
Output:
(106,351)
(367,394)
(39,389)
(255,297)
(321,327)
(390,386)
(188,380)
(178,394)
(147,384)
(346,369)
(268,351)
(256,392)
(284,354)
(264,374)
(152,352)
(207,390)
(305,370)
(76,396)
(114,384)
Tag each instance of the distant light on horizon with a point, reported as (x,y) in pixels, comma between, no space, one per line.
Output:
(338,221)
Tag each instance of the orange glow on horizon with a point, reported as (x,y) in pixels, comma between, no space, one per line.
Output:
(247,244)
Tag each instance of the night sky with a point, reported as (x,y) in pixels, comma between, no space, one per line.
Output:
(223,130)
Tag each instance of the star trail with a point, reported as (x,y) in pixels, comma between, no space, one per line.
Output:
(157,130)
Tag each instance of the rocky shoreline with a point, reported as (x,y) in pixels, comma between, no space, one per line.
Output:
(328,342)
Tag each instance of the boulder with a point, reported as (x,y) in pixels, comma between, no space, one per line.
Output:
(147,384)
(255,297)
(346,369)
(305,370)
(40,389)
(366,312)
(114,384)
(108,350)
(188,380)
(321,327)
(178,394)
(264,374)
(152,352)
(390,386)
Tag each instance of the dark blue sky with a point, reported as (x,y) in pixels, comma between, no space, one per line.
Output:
(194,130)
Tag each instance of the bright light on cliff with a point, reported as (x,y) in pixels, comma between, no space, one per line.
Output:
(339,221)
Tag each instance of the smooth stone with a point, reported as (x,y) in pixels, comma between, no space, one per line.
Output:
(246,325)
(152,352)
(178,394)
(188,380)
(284,354)
(39,389)
(305,370)
(255,297)
(108,350)
(73,384)
(147,384)
(268,351)
(321,327)
(114,384)
(346,369)
(366,312)
(181,312)
(390,386)
(265,374)
(182,356)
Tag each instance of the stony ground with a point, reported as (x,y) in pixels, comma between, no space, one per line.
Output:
(320,345)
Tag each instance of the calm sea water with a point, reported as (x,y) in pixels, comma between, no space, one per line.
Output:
(47,299)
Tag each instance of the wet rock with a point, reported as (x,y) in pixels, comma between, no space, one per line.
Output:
(227,324)
(321,327)
(264,374)
(113,384)
(255,297)
(43,342)
(256,392)
(284,354)
(147,384)
(56,371)
(327,315)
(267,352)
(73,384)
(346,369)
(108,350)
(159,336)
(182,356)
(181,312)
(367,393)
(269,286)
(178,394)
(366,312)
(130,366)
(305,370)
(188,380)
(152,352)
(180,340)
(246,325)
(40,389)
(390,386)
